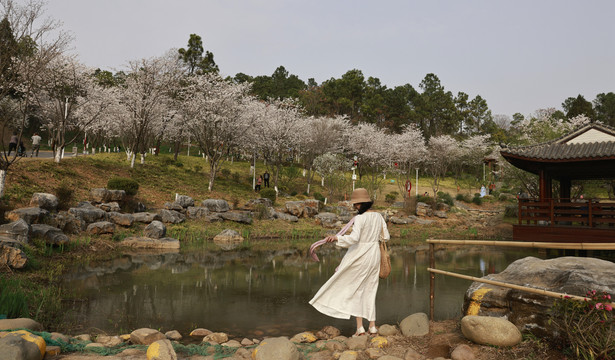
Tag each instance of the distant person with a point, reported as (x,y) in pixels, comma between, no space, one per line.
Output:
(36,144)
(266,178)
(13,143)
(259,181)
(483,191)
(21,149)
(426,193)
(491,188)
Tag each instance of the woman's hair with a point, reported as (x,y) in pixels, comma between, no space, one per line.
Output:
(364,206)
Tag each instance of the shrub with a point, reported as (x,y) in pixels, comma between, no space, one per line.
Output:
(261,212)
(424,199)
(198,168)
(446,198)
(268,193)
(477,200)
(459,197)
(318,196)
(65,194)
(586,326)
(119,183)
(236,177)
(511,211)
(226,173)
(13,300)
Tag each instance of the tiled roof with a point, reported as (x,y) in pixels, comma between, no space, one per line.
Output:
(559,149)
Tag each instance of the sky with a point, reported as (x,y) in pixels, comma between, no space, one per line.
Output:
(518,55)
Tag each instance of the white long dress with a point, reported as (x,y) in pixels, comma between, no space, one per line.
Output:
(351,291)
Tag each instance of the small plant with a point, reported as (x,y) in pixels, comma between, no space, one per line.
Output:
(226,173)
(477,200)
(588,327)
(269,194)
(511,211)
(390,197)
(198,168)
(459,197)
(446,198)
(235,202)
(318,196)
(261,212)
(119,183)
(64,193)
(236,177)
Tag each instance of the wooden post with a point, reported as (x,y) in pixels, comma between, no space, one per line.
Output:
(552,212)
(589,212)
(519,213)
(432,279)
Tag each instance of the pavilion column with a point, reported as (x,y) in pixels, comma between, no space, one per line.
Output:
(564,188)
(545,185)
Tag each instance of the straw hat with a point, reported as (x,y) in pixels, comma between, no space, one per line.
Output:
(359,195)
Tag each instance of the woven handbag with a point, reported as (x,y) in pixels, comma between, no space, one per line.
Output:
(385,260)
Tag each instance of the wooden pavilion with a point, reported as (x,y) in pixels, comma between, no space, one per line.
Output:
(587,153)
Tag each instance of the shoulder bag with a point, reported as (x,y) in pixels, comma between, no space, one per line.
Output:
(385,260)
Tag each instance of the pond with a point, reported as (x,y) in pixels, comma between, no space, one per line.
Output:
(255,294)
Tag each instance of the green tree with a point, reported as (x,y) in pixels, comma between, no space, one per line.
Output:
(345,95)
(480,115)
(399,107)
(578,106)
(194,59)
(436,108)
(604,106)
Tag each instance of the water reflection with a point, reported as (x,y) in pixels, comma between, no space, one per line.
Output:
(254,294)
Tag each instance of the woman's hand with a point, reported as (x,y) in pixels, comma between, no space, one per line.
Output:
(331,238)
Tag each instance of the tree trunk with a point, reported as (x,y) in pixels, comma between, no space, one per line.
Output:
(132,161)
(142,159)
(212,175)
(176,149)
(58,154)
(2,182)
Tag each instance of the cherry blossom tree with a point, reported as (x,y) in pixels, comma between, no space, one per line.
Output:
(442,152)
(371,146)
(331,167)
(214,117)
(407,151)
(321,135)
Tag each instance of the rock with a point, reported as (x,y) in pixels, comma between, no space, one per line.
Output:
(389,357)
(276,348)
(111,206)
(217,337)
(84,337)
(44,201)
(108,341)
(200,332)
(171,216)
(22,345)
(568,275)
(94,345)
(67,222)
(120,219)
(375,353)
(148,243)
(359,342)
(18,230)
(246,342)
(102,195)
(51,351)
(255,203)
(328,332)
(184,201)
(327,220)
(240,217)
(216,205)
(305,208)
(423,209)
(412,354)
(349,355)
(51,235)
(145,217)
(424,221)
(285,217)
(232,344)
(335,345)
(20,323)
(400,220)
(101,227)
(12,256)
(388,330)
(56,336)
(443,206)
(88,212)
(228,239)
(161,350)
(196,212)
(378,342)
(462,352)
(173,335)
(304,337)
(155,230)
(31,215)
(440,214)
(415,325)
(322,355)
(487,330)
(146,336)
(173,206)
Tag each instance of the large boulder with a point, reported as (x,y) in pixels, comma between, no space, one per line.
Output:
(171,216)
(306,208)
(18,230)
(423,209)
(67,222)
(120,219)
(161,350)
(242,217)
(255,203)
(88,212)
(529,311)
(196,212)
(285,216)
(155,230)
(487,330)
(11,254)
(102,195)
(20,323)
(44,201)
(327,220)
(22,345)
(101,227)
(146,336)
(145,217)
(228,239)
(173,206)
(276,348)
(110,206)
(184,200)
(51,235)
(216,205)
(415,325)
(31,215)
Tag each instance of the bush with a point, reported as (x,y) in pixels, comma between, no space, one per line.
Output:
(226,173)
(424,199)
(65,194)
(236,177)
(119,183)
(459,197)
(477,200)
(510,211)
(446,198)
(586,326)
(268,193)
(261,212)
(318,196)
(390,197)
(198,168)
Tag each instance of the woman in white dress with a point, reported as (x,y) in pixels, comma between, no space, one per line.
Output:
(351,291)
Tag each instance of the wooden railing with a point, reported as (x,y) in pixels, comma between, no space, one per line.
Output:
(567,212)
